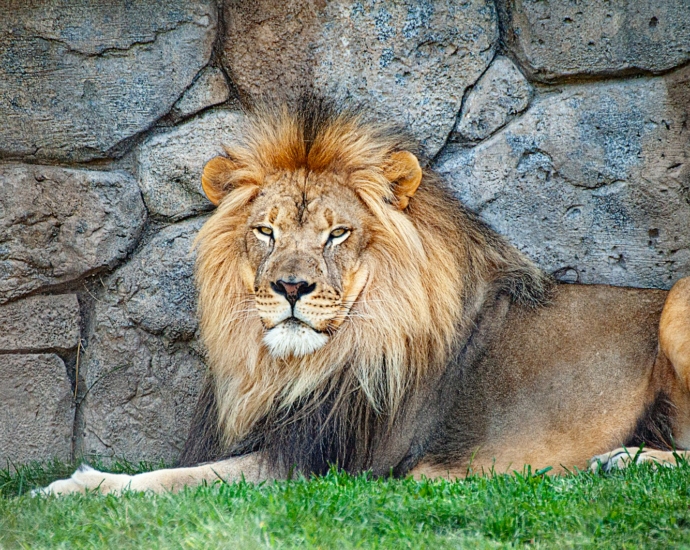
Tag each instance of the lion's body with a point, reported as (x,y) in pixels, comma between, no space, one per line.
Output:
(556,385)
(547,386)
(356,314)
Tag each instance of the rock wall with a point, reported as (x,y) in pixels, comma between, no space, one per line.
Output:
(564,124)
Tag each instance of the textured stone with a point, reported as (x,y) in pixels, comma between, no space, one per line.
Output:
(411,61)
(79,77)
(597,37)
(171,163)
(57,224)
(143,365)
(37,410)
(498,96)
(40,323)
(210,88)
(593,182)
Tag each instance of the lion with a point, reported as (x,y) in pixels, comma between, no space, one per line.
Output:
(357,315)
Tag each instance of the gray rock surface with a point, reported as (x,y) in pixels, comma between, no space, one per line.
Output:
(57,224)
(37,413)
(592,182)
(171,163)
(79,77)
(143,365)
(498,96)
(597,37)
(210,88)
(40,323)
(411,61)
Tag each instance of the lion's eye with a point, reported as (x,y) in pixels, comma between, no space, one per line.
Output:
(264,233)
(338,235)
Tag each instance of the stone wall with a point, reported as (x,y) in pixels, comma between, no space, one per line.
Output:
(564,124)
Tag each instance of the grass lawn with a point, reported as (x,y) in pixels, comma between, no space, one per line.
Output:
(635,508)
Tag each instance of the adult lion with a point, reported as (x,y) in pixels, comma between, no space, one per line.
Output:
(356,314)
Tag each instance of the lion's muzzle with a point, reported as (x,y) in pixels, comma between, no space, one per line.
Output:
(295,314)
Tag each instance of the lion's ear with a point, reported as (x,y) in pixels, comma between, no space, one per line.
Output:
(216,178)
(403,171)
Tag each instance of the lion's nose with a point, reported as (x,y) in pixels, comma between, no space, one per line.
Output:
(293,291)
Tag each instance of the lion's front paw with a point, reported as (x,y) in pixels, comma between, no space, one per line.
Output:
(87,479)
(623,457)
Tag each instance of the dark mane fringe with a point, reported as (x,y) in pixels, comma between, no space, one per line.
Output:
(335,427)
(203,442)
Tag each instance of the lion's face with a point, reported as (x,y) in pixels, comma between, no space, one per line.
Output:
(305,237)
(297,219)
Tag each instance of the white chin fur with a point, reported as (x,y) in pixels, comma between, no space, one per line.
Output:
(293,339)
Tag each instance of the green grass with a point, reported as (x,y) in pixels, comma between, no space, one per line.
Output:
(635,508)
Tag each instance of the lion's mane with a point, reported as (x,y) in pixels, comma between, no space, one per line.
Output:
(430,267)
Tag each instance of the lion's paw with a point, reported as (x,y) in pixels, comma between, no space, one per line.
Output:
(623,457)
(87,479)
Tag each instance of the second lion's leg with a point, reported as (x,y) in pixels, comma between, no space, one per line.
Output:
(674,346)
(249,467)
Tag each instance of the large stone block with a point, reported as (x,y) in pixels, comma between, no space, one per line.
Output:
(37,412)
(592,182)
(411,61)
(143,365)
(57,224)
(498,96)
(77,78)
(556,39)
(171,163)
(40,323)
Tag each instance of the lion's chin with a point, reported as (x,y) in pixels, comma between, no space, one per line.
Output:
(293,338)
